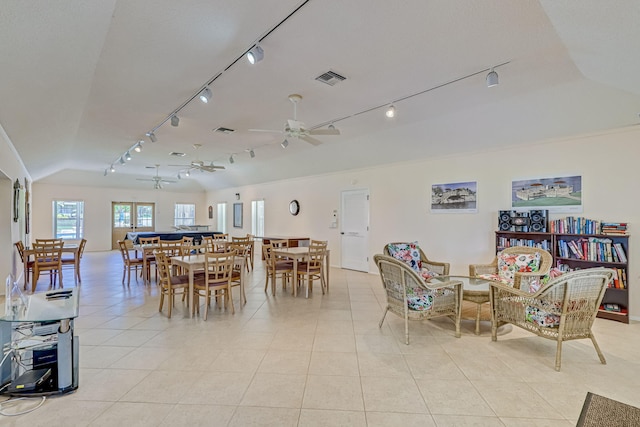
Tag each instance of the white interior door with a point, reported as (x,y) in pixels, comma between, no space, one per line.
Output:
(355,230)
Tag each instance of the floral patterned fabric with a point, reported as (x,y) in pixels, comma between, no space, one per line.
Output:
(419,299)
(509,264)
(407,252)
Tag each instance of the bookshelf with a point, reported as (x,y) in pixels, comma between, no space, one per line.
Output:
(571,251)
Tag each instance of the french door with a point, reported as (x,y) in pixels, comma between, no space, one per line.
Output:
(130,216)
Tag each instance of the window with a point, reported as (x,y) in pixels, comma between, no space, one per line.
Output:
(257,217)
(222,217)
(185,214)
(68,219)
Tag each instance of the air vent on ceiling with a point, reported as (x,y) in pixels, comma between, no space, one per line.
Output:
(224,130)
(177,154)
(330,78)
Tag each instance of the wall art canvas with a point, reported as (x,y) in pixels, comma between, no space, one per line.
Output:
(558,195)
(456,197)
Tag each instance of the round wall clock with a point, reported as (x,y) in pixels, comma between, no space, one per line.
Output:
(294,207)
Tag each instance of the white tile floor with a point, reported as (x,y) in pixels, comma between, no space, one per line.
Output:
(288,361)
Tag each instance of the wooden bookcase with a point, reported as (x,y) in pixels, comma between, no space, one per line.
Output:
(565,259)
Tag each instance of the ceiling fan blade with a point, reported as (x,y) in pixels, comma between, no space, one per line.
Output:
(145,179)
(310,140)
(182,166)
(324,132)
(265,130)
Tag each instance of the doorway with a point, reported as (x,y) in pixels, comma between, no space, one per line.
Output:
(355,230)
(130,217)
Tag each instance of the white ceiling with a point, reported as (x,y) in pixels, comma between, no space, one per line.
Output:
(82,81)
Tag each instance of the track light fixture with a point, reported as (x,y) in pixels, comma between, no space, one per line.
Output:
(391,111)
(127,156)
(138,146)
(179,177)
(175,121)
(255,55)
(152,136)
(284,143)
(492,78)
(187,173)
(205,95)
(121,161)
(231,159)
(331,126)
(106,171)
(112,169)
(252,154)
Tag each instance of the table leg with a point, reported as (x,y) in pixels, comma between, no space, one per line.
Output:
(242,278)
(295,277)
(327,267)
(191,307)
(478,318)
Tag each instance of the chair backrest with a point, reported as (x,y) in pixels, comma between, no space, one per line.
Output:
(20,246)
(317,254)
(441,268)
(124,250)
(49,241)
(220,236)
(48,254)
(218,268)
(522,254)
(397,276)
(171,247)
(164,270)
(83,243)
(279,243)
(149,240)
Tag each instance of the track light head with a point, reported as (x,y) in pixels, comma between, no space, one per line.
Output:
(187,173)
(112,169)
(492,78)
(231,159)
(138,147)
(179,176)
(175,121)
(284,143)
(391,111)
(252,154)
(121,161)
(127,156)
(255,55)
(106,171)
(152,136)
(331,126)
(205,95)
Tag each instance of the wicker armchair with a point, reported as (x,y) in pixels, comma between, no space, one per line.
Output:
(442,268)
(546,262)
(398,279)
(564,309)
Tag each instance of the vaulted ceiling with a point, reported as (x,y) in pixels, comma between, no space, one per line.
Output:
(82,81)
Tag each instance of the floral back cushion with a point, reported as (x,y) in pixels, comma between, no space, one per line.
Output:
(510,264)
(407,252)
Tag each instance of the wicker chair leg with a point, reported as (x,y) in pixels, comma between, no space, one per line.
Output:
(600,355)
(558,354)
(383,316)
(406,330)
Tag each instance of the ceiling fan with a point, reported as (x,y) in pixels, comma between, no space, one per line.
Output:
(157,180)
(296,129)
(199,164)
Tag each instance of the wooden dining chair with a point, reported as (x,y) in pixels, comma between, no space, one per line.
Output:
(49,241)
(26,261)
(47,257)
(275,267)
(241,259)
(128,262)
(312,268)
(149,245)
(70,261)
(218,268)
(170,284)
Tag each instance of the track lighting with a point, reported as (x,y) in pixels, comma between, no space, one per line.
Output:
(255,55)
(121,161)
(252,154)
(284,143)
(205,95)
(391,111)
(152,136)
(138,146)
(187,173)
(112,169)
(106,171)
(175,121)
(331,126)
(231,159)
(179,177)
(127,156)
(492,78)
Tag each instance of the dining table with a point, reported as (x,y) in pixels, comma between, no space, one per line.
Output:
(299,254)
(195,262)
(73,248)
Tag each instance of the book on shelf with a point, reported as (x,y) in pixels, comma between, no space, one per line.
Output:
(620,251)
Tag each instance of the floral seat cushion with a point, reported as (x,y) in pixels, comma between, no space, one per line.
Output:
(510,264)
(419,299)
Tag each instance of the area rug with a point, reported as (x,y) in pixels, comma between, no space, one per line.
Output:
(599,411)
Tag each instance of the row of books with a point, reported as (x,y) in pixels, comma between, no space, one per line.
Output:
(505,242)
(619,280)
(592,249)
(579,225)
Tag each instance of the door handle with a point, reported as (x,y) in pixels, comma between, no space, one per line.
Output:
(342,232)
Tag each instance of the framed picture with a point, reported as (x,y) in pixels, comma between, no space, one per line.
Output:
(455,197)
(237,215)
(559,194)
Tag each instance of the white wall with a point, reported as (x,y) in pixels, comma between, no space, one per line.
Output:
(11,168)
(97,209)
(400,198)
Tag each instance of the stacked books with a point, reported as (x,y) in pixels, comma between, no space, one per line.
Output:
(614,228)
